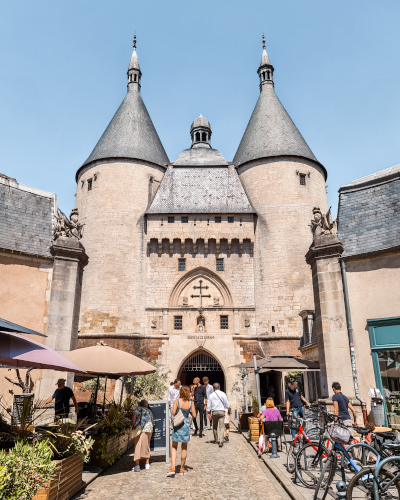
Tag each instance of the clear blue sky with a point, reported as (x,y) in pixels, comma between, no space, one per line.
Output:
(63,75)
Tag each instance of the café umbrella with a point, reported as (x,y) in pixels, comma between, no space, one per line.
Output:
(102,359)
(17,351)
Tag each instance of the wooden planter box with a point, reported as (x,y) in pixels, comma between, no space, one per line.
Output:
(123,442)
(112,447)
(244,421)
(67,480)
(131,439)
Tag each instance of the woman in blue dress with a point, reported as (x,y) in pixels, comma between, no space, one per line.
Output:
(181,433)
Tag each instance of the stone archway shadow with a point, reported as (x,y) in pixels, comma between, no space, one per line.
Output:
(202,350)
(200,272)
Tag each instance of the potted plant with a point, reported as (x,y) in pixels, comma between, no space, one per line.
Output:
(26,469)
(71,448)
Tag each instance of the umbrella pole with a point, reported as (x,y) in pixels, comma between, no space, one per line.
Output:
(132,383)
(122,390)
(257,380)
(95,397)
(105,387)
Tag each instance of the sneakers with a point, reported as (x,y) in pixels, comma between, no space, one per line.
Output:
(205,428)
(171,472)
(147,466)
(226,438)
(136,468)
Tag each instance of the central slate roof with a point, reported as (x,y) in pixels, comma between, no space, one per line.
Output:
(188,190)
(201,154)
(130,134)
(271,132)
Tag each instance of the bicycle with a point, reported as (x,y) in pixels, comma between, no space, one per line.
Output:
(311,435)
(347,461)
(379,483)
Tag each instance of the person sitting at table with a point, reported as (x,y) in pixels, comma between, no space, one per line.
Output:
(271,413)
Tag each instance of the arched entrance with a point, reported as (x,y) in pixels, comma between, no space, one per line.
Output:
(201,364)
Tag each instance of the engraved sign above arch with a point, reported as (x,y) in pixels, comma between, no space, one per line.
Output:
(211,291)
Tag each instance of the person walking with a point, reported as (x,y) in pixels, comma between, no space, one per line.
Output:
(200,405)
(209,390)
(216,411)
(61,397)
(342,405)
(181,433)
(173,394)
(294,401)
(142,416)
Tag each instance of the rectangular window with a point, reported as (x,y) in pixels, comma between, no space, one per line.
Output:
(185,220)
(181,264)
(302,179)
(223,322)
(231,220)
(177,322)
(217,220)
(171,220)
(273,329)
(220,264)
(89,184)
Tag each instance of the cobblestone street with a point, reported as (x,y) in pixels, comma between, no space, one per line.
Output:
(231,472)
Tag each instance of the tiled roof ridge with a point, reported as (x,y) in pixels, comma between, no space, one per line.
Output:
(385,175)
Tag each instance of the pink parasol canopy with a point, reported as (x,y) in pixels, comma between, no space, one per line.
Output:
(20,352)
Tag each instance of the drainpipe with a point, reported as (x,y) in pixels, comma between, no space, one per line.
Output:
(256,370)
(351,341)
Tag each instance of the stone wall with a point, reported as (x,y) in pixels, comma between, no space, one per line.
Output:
(114,293)
(283,235)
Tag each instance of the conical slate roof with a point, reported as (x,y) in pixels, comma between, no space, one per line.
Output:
(130,134)
(271,132)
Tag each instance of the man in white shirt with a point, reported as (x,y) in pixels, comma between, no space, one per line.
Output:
(209,389)
(173,394)
(216,405)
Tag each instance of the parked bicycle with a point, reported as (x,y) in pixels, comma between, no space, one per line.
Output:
(312,435)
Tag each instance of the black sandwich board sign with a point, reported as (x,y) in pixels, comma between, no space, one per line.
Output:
(160,439)
(18,406)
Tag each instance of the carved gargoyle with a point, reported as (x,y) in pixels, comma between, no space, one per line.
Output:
(68,228)
(323,224)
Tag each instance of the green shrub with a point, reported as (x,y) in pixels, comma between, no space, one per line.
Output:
(25,469)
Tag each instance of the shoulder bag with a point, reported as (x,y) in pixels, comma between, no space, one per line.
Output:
(226,417)
(138,428)
(340,434)
(179,417)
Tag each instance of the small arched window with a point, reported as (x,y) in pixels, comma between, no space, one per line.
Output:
(135,78)
(198,136)
(204,138)
(268,75)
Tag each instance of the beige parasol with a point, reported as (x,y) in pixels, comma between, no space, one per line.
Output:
(103,359)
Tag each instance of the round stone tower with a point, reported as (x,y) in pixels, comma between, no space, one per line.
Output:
(283,181)
(115,186)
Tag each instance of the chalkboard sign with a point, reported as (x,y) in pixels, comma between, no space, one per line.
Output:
(18,406)
(160,439)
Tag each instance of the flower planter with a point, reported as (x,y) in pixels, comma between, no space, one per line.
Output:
(244,420)
(67,480)
(123,442)
(254,426)
(131,439)
(110,452)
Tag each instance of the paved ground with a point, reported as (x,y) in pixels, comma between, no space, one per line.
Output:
(231,472)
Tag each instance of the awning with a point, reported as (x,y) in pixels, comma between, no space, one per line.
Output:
(7,326)
(282,362)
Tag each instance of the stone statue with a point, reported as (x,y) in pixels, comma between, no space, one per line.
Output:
(154,323)
(185,301)
(246,322)
(200,326)
(323,224)
(68,228)
(216,301)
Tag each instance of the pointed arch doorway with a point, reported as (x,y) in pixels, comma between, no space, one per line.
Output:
(201,364)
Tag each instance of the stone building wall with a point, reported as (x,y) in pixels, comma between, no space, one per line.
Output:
(113,298)
(283,284)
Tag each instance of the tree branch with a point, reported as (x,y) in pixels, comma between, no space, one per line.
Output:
(14,383)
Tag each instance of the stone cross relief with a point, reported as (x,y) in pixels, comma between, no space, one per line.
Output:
(201,288)
(323,224)
(69,228)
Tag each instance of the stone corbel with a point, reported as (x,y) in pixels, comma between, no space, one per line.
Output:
(217,247)
(229,246)
(240,247)
(252,247)
(159,247)
(182,247)
(206,247)
(148,248)
(171,247)
(195,246)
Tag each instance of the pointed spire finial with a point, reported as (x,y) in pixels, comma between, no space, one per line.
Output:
(134,41)
(263,41)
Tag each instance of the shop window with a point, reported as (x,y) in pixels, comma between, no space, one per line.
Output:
(181,264)
(224,325)
(177,322)
(220,264)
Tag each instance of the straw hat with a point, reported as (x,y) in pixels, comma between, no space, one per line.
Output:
(60,381)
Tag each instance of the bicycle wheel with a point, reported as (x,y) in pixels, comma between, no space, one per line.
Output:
(309,464)
(324,484)
(290,461)
(361,485)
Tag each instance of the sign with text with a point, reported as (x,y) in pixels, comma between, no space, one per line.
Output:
(161,431)
(18,406)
